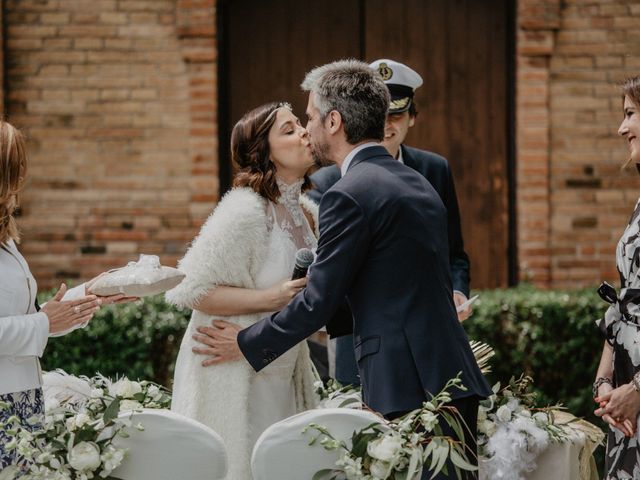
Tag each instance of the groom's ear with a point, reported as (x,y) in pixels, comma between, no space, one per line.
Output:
(333,121)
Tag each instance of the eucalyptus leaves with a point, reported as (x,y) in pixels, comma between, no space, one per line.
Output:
(399,450)
(82,420)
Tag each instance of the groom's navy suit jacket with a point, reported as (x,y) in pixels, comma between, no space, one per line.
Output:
(436,170)
(373,249)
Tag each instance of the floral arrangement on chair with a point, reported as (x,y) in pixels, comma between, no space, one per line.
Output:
(512,431)
(76,441)
(398,450)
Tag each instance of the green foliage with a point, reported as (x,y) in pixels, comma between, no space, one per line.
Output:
(139,340)
(548,335)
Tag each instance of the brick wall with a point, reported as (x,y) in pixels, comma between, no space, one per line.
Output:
(573,201)
(118,100)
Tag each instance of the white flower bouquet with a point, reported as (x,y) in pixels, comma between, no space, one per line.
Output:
(512,432)
(81,421)
(399,450)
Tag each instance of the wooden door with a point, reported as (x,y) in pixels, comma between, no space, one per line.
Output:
(272,44)
(460,47)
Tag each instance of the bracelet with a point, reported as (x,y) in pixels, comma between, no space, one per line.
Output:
(635,381)
(602,380)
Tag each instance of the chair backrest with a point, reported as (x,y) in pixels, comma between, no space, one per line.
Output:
(282,452)
(171,447)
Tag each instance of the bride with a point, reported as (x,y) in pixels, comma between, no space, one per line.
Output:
(237,268)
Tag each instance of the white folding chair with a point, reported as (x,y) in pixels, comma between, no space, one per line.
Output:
(171,447)
(282,452)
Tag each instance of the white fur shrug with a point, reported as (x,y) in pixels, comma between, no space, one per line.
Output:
(229,250)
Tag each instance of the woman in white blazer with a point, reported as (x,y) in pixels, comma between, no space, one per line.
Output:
(24,326)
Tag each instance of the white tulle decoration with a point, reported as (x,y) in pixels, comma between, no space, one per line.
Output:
(513,449)
(59,387)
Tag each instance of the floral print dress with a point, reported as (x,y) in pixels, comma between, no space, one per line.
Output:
(28,407)
(621,328)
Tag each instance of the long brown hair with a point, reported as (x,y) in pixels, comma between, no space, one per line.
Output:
(250,152)
(13,172)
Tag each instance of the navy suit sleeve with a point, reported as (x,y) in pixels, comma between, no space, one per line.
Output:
(322,181)
(458,258)
(344,239)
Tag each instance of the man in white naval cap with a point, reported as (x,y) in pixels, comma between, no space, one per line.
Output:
(402,83)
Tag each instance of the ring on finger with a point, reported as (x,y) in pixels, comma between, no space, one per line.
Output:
(76,309)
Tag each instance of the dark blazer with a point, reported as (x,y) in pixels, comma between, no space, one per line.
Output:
(435,169)
(382,226)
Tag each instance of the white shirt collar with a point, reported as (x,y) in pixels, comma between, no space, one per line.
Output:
(353,153)
(400,159)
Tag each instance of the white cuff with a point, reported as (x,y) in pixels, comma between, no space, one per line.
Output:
(460,293)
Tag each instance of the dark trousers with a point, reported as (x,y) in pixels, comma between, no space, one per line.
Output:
(318,354)
(346,366)
(468,408)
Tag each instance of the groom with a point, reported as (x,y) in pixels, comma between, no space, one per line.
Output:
(373,250)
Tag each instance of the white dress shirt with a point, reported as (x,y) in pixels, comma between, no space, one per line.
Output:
(352,154)
(23,330)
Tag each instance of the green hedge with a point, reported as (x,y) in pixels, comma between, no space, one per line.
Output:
(139,340)
(548,335)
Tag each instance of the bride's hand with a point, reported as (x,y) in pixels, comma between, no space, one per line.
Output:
(281,293)
(220,342)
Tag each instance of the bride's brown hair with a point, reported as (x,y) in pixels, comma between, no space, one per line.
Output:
(13,172)
(250,152)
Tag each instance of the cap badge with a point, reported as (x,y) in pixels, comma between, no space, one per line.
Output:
(385,71)
(400,103)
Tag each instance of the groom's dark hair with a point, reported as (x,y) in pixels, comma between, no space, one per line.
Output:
(356,92)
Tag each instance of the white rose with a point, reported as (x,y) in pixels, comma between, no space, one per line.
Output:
(111,459)
(84,456)
(488,427)
(352,468)
(541,417)
(385,448)
(504,413)
(82,419)
(154,392)
(126,405)
(124,388)
(380,470)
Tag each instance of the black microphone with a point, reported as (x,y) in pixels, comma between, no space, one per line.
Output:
(304,258)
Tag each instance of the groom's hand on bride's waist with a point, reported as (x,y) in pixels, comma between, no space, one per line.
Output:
(218,342)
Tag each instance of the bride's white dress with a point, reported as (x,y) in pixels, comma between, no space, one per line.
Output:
(271,393)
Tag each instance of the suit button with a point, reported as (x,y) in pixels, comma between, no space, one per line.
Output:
(265,361)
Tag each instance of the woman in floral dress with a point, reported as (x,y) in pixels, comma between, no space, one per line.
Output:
(617,386)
